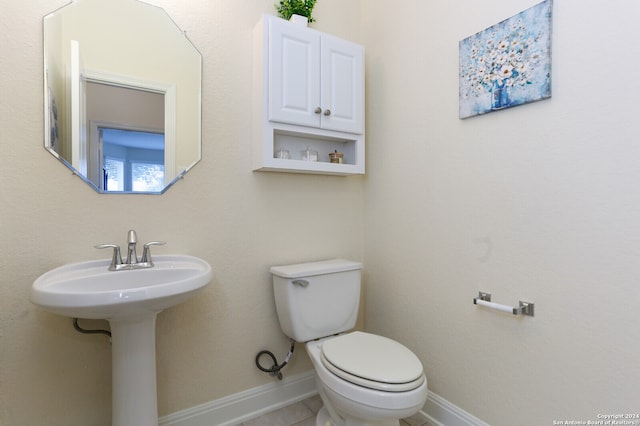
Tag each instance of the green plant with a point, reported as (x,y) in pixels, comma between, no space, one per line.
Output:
(286,8)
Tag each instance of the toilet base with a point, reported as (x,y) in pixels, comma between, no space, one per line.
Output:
(324,419)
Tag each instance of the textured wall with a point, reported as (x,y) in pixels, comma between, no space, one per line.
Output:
(239,221)
(538,203)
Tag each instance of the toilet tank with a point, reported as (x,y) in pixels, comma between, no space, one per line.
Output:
(317,299)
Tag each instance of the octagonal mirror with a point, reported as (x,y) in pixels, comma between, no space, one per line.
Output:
(122,95)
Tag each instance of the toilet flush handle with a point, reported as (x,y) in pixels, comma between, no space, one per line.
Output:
(301,283)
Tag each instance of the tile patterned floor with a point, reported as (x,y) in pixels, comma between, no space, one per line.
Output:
(304,414)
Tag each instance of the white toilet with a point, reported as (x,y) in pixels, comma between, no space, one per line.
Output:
(363,379)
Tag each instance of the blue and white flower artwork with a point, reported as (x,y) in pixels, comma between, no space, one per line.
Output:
(508,64)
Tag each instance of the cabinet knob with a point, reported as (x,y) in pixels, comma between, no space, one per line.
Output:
(327,112)
(318,110)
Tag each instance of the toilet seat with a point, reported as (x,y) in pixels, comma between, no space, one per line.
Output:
(372,361)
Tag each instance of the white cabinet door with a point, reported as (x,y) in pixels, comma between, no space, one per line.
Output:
(315,80)
(342,86)
(294,75)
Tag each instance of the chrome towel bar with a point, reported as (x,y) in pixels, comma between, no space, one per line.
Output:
(524,308)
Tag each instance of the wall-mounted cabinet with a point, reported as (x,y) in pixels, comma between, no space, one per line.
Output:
(308,93)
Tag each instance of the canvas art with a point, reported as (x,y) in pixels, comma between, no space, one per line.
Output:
(507,64)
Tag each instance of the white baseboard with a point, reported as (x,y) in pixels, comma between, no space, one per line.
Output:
(437,411)
(234,409)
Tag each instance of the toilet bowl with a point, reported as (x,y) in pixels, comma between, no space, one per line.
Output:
(357,400)
(363,379)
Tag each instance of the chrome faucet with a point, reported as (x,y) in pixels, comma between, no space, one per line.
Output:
(132,240)
(132,257)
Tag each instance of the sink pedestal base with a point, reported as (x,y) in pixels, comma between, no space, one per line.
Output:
(134,371)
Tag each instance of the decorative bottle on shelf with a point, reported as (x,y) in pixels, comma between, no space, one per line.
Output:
(336,157)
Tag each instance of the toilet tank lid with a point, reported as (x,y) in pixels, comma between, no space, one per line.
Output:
(315,268)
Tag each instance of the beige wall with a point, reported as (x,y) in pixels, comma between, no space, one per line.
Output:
(240,221)
(538,203)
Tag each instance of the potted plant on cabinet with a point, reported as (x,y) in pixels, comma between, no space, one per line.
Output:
(288,9)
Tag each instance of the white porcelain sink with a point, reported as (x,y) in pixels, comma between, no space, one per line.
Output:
(131,300)
(90,290)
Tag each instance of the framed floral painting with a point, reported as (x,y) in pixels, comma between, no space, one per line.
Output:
(507,64)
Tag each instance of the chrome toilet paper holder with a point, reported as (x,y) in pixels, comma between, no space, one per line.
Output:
(523,308)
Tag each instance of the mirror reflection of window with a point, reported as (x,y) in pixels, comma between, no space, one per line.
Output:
(132,161)
(147,177)
(113,174)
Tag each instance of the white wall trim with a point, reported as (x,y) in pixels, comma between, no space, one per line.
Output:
(234,409)
(437,411)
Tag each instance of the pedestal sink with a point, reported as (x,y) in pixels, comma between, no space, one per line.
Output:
(130,300)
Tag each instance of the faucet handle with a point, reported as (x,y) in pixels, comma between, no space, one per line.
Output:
(116,259)
(146,253)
